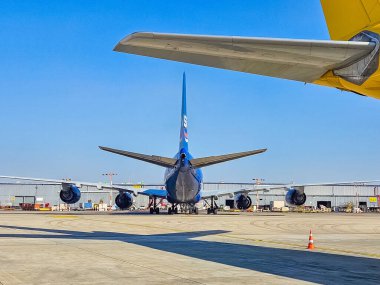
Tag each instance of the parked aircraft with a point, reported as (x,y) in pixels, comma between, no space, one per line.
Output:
(183,179)
(349,61)
(183,176)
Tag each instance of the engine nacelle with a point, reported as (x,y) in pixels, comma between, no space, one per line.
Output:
(295,197)
(124,200)
(243,202)
(70,194)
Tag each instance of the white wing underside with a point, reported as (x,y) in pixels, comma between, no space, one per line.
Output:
(205,194)
(79,184)
(267,188)
(301,60)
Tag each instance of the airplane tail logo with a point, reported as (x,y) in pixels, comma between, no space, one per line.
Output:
(184,136)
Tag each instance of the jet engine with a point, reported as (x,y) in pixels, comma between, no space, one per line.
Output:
(124,200)
(295,197)
(243,202)
(70,194)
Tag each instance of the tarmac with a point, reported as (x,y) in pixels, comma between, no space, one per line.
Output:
(247,248)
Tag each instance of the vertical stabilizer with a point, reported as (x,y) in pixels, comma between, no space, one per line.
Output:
(184,139)
(346,18)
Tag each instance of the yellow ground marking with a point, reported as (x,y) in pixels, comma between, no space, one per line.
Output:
(64,216)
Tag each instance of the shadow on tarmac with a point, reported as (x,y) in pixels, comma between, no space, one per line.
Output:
(309,266)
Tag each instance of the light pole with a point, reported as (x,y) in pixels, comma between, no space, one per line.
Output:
(257,181)
(110,175)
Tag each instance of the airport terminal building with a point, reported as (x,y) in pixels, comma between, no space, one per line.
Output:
(331,196)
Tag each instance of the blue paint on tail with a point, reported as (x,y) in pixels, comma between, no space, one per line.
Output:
(184,139)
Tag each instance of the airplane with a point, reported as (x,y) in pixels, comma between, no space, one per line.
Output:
(183,179)
(349,61)
(183,175)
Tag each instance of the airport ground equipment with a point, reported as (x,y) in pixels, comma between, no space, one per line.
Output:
(311,241)
(183,179)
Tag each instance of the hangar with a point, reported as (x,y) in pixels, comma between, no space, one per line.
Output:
(366,197)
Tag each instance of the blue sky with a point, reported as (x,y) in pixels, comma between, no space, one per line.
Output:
(64,92)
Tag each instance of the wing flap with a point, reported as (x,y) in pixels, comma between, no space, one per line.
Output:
(210,160)
(154,159)
(302,60)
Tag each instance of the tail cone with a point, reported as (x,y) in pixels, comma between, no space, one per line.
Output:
(311,241)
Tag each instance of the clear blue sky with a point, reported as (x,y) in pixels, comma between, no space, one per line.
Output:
(64,92)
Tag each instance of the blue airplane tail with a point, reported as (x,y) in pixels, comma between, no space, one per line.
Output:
(183,137)
(183,147)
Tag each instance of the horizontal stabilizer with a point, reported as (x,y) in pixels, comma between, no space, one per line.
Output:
(154,159)
(210,160)
(159,193)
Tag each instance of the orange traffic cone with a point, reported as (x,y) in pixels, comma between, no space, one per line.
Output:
(311,241)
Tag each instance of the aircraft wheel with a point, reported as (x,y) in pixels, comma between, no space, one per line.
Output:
(157,210)
(170,211)
(176,210)
(196,210)
(215,211)
(151,210)
(208,211)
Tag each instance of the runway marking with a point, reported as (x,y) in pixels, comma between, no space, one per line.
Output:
(64,216)
(138,225)
(8,278)
(246,239)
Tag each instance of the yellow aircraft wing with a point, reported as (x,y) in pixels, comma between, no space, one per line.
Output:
(301,60)
(346,18)
(350,61)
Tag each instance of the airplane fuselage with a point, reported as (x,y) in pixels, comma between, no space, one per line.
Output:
(183,182)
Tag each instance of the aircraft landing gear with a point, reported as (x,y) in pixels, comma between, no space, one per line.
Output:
(213,209)
(154,209)
(193,209)
(190,209)
(173,210)
(185,209)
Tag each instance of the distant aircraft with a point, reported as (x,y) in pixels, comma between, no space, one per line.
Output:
(348,62)
(183,179)
(183,176)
